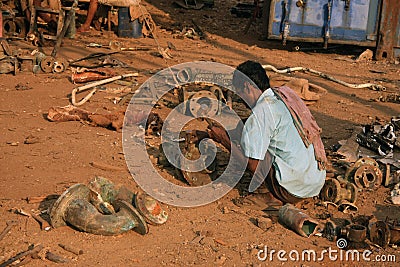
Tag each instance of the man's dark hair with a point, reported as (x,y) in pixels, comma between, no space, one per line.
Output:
(254,71)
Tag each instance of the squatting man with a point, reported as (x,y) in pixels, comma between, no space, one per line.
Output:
(280,141)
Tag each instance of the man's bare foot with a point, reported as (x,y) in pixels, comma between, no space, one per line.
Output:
(83,28)
(260,201)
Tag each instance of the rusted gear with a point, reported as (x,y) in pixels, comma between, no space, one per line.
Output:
(47,64)
(368,176)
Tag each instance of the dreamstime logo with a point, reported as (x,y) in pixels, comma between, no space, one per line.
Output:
(134,145)
(341,243)
(330,254)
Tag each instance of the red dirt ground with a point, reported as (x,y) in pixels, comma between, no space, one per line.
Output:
(63,151)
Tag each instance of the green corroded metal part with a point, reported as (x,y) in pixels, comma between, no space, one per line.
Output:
(140,223)
(84,216)
(104,187)
(74,207)
(150,209)
(57,213)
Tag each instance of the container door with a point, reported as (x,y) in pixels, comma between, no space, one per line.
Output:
(336,21)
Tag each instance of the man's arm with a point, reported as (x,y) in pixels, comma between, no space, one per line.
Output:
(218,134)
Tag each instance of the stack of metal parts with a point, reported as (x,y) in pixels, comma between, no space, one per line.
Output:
(381,138)
(361,228)
(342,192)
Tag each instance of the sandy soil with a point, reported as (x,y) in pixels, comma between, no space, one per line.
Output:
(62,153)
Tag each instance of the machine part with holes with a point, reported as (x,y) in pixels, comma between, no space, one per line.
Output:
(360,162)
(368,176)
(150,209)
(333,192)
(27,63)
(357,233)
(47,64)
(14,27)
(73,207)
(9,26)
(297,220)
(379,233)
(204,104)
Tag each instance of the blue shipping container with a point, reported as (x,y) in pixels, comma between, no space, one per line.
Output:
(333,21)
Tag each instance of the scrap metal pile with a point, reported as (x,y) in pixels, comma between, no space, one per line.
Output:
(381,138)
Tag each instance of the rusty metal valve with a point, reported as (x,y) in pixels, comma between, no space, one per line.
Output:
(333,192)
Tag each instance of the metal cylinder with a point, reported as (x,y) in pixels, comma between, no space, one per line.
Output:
(357,233)
(297,220)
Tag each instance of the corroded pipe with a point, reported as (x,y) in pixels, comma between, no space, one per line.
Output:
(297,220)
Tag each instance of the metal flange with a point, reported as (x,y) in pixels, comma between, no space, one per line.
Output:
(150,209)
(368,176)
(360,162)
(330,191)
(47,64)
(379,233)
(203,104)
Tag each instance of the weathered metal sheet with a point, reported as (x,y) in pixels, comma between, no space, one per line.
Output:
(389,30)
